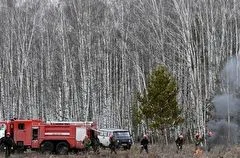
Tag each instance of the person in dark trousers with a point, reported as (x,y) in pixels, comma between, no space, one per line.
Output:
(87,144)
(144,144)
(8,143)
(209,140)
(198,141)
(179,142)
(95,143)
(113,144)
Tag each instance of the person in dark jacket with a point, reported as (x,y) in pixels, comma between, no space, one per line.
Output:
(144,144)
(86,143)
(95,143)
(209,139)
(198,141)
(179,142)
(113,144)
(8,143)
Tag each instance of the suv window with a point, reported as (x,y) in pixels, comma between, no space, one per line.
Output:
(103,133)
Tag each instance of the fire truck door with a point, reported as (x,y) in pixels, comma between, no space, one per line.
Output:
(35,134)
(23,134)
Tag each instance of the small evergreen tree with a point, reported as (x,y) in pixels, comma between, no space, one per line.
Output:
(159,106)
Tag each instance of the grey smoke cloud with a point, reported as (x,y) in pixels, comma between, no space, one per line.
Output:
(231,74)
(221,130)
(226,103)
(227,106)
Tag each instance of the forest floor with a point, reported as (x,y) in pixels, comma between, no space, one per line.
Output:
(155,151)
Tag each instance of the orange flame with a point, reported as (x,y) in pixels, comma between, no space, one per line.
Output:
(198,152)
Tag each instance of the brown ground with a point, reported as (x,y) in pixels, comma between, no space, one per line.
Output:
(155,151)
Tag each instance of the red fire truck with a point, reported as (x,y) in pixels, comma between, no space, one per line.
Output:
(49,137)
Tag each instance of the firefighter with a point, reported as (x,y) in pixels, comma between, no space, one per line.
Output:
(95,143)
(179,141)
(113,144)
(144,144)
(198,141)
(86,143)
(8,143)
(209,139)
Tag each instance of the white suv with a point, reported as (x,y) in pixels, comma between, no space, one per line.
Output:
(122,136)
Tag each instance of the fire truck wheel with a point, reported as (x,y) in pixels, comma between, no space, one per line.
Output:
(47,147)
(62,148)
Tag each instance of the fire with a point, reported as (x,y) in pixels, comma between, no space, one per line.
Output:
(198,152)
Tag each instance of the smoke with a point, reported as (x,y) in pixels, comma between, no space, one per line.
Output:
(225,125)
(226,105)
(230,75)
(224,133)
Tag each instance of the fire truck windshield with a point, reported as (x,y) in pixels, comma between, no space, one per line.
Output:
(2,130)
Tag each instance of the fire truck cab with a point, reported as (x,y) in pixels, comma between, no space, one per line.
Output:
(49,137)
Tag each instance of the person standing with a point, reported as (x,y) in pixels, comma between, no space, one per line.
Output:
(113,144)
(86,143)
(8,143)
(144,144)
(209,140)
(179,141)
(95,143)
(198,141)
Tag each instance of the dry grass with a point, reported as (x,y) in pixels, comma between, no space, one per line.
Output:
(155,151)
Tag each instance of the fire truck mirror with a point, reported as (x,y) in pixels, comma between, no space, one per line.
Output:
(2,127)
